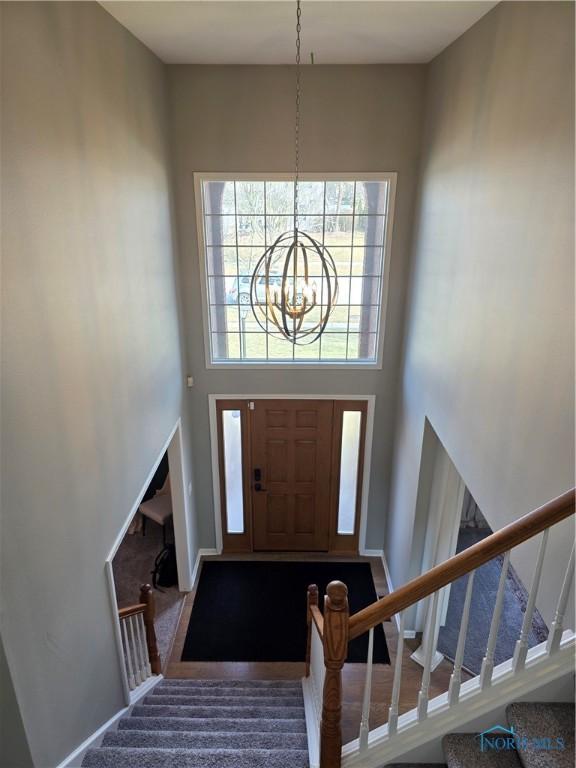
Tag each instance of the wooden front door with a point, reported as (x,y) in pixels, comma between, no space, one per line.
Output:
(291,443)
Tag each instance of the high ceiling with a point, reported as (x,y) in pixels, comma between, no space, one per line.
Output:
(262,31)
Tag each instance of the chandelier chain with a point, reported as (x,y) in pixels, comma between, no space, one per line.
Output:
(295,308)
(297,127)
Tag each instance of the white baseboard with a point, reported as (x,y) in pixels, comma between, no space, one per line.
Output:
(387,572)
(372,553)
(409,634)
(145,688)
(74,759)
(380,553)
(200,554)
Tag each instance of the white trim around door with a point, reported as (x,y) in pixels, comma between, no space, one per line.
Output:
(370,400)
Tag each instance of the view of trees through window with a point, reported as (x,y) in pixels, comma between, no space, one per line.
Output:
(242,218)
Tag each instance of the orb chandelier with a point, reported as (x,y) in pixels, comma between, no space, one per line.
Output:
(294,286)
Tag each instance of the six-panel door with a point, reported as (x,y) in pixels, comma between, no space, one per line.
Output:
(290,474)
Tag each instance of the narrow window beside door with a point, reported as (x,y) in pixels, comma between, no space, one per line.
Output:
(232,435)
(349,460)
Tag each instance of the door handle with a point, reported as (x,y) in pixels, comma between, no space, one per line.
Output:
(258,487)
(257,475)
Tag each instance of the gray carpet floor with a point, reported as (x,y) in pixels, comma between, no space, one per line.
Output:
(483,599)
(132,565)
(210,724)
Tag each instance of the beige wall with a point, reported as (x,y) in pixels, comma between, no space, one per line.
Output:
(241,119)
(91,360)
(91,355)
(489,353)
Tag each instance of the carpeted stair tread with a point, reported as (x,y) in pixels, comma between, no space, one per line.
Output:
(210,724)
(168,710)
(285,725)
(462,750)
(224,701)
(532,720)
(205,740)
(172,683)
(118,757)
(231,693)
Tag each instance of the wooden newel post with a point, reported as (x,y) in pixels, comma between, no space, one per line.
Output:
(312,599)
(336,616)
(147,597)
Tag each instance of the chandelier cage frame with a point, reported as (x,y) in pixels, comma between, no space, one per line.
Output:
(288,305)
(289,310)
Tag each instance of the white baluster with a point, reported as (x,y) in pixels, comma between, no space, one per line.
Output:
(394,701)
(425,686)
(135,656)
(128,655)
(143,647)
(140,655)
(488,662)
(456,677)
(555,635)
(521,649)
(365,722)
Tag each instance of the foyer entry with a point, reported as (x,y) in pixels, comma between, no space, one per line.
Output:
(290,474)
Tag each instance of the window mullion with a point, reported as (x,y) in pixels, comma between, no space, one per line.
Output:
(351,266)
(240,329)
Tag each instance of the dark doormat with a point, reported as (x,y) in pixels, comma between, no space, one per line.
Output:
(256,611)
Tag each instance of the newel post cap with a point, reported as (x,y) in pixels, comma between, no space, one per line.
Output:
(338,594)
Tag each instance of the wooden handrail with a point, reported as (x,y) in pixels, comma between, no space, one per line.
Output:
(496,544)
(131,610)
(318,619)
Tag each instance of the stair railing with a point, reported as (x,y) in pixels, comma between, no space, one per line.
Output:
(141,656)
(331,631)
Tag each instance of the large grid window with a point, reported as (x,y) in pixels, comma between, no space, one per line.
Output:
(240,218)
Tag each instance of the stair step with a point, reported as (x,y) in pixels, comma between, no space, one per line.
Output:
(223,701)
(205,739)
(462,750)
(532,720)
(285,684)
(231,693)
(118,757)
(251,712)
(286,725)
